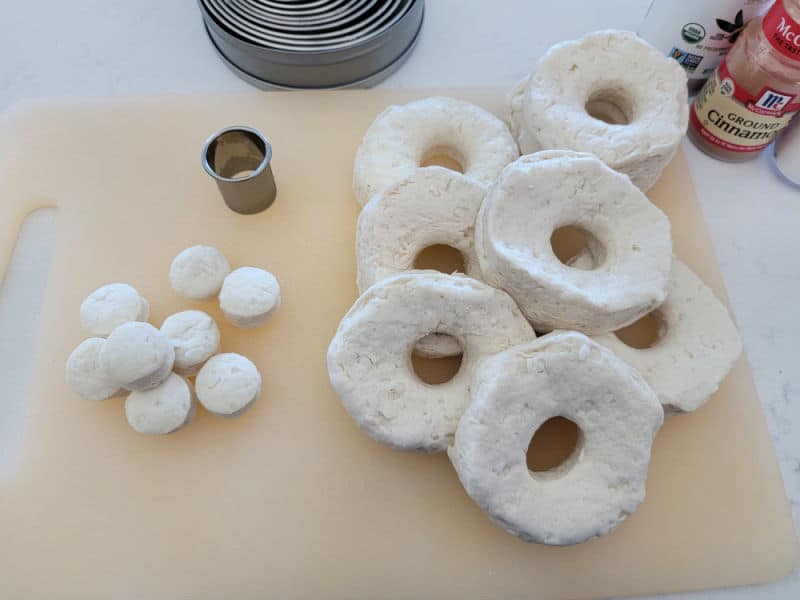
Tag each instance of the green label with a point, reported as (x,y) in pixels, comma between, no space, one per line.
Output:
(693,32)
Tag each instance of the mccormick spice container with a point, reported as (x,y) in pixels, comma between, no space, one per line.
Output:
(755,91)
(698,34)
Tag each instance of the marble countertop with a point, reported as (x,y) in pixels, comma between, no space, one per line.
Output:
(121,47)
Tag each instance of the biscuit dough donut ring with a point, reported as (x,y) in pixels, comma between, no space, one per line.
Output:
(628,240)
(431,206)
(402,137)
(697,345)
(513,393)
(369,358)
(609,93)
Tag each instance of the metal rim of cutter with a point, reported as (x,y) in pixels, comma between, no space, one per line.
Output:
(262,141)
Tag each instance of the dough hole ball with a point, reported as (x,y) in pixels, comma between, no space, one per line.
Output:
(610,106)
(440,257)
(554,445)
(84,374)
(644,333)
(197,272)
(436,370)
(577,248)
(228,384)
(110,306)
(443,157)
(249,297)
(195,337)
(163,409)
(137,356)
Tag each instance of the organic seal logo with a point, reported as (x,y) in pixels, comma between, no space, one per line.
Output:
(693,32)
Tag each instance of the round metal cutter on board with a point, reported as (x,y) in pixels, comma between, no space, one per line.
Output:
(313,44)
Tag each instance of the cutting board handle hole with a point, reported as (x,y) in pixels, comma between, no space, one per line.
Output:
(554,444)
(644,333)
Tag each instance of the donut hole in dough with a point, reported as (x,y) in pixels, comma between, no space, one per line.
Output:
(435,370)
(644,333)
(440,257)
(442,156)
(577,248)
(555,446)
(435,354)
(611,105)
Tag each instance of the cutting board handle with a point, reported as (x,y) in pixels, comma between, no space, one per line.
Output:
(13,211)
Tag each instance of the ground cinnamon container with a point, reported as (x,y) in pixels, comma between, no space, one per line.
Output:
(755,91)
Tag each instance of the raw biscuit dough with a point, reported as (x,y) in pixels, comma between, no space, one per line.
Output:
(402,137)
(369,357)
(197,272)
(195,337)
(137,356)
(513,393)
(431,206)
(249,296)
(110,306)
(163,409)
(629,243)
(84,374)
(228,384)
(697,347)
(639,93)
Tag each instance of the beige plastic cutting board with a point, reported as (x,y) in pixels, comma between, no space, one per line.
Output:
(291,500)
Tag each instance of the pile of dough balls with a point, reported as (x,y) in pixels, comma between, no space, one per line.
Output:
(597,122)
(164,372)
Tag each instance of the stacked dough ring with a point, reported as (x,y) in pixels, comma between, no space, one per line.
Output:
(630,244)
(609,93)
(598,120)
(138,359)
(402,138)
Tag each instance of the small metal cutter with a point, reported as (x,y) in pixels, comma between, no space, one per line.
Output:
(238,159)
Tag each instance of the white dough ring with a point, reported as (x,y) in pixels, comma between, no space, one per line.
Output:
(638,93)
(562,374)
(697,345)
(369,359)
(402,137)
(629,240)
(431,206)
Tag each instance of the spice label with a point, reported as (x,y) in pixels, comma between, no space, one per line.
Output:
(730,117)
(782,31)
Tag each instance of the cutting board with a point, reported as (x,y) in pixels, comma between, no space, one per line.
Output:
(291,500)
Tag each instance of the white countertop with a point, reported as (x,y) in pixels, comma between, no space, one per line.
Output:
(127,47)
